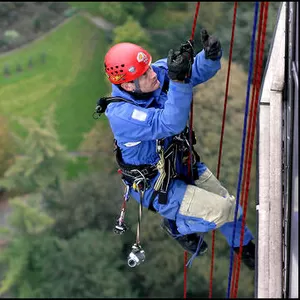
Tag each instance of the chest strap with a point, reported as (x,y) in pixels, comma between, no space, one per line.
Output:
(165,167)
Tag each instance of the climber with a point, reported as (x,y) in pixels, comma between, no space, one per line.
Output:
(152,141)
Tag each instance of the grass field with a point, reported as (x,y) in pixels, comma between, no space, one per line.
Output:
(72,77)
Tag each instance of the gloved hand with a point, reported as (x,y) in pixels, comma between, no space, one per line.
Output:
(211,45)
(180,62)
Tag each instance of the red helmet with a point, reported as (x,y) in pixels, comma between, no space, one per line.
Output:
(125,62)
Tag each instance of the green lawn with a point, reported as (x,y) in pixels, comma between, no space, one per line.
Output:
(72,77)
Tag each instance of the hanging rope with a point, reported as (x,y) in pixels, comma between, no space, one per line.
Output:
(221,139)
(251,134)
(190,153)
(243,143)
(254,89)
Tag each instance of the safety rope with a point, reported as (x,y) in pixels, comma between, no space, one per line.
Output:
(243,142)
(190,161)
(252,125)
(221,139)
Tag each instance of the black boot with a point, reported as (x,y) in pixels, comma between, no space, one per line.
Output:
(248,254)
(188,242)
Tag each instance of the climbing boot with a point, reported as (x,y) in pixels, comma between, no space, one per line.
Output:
(248,254)
(188,242)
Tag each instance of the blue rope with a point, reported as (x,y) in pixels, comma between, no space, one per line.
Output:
(189,263)
(243,143)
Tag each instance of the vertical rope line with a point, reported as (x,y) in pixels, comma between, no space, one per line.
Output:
(195,20)
(226,90)
(243,138)
(254,91)
(222,134)
(190,153)
(260,61)
(185,259)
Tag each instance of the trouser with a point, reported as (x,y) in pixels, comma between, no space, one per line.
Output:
(206,206)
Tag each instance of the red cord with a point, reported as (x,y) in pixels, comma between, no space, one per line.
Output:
(195,20)
(185,274)
(254,91)
(251,133)
(190,154)
(221,140)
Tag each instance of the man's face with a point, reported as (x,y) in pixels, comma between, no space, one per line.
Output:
(148,81)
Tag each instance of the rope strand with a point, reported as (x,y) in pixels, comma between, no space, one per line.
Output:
(222,134)
(190,152)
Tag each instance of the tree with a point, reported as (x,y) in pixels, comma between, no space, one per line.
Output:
(86,266)
(26,223)
(92,201)
(131,31)
(44,158)
(99,142)
(117,12)
(7,146)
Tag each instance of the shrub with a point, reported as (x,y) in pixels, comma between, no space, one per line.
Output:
(11,35)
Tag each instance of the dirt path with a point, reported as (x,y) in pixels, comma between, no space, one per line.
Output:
(99,21)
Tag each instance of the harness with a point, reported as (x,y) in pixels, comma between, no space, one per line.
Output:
(165,167)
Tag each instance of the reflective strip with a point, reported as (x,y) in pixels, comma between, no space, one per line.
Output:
(139,115)
(131,144)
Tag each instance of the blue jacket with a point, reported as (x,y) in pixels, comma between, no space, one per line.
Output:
(137,127)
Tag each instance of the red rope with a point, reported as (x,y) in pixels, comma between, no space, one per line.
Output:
(251,133)
(254,91)
(185,259)
(190,153)
(195,20)
(221,139)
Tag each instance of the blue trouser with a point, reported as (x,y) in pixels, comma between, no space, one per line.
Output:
(202,207)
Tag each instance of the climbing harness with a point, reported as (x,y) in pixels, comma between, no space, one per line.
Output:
(139,177)
(165,167)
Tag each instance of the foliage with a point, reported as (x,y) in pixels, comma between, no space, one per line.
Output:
(44,158)
(27,223)
(7,146)
(118,12)
(91,201)
(132,32)
(86,266)
(243,31)
(71,52)
(99,143)
(11,35)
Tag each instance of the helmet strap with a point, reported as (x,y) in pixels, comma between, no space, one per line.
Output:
(137,86)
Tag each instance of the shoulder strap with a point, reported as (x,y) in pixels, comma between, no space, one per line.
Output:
(103,102)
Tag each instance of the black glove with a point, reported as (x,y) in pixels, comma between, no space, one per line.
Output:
(180,62)
(211,45)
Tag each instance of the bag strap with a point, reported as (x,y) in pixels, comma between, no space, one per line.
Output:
(103,102)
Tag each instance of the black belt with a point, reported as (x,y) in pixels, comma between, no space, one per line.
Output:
(131,172)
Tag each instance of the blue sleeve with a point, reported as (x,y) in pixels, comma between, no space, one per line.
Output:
(134,123)
(203,69)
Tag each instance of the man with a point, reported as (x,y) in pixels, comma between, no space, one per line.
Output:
(148,121)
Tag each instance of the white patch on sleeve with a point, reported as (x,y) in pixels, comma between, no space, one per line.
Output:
(139,115)
(131,144)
